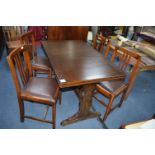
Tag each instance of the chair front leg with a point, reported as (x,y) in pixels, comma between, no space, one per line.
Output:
(108,108)
(60,97)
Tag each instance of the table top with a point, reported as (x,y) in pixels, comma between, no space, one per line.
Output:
(75,63)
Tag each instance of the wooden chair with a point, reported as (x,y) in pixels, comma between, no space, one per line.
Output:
(12,38)
(111,89)
(34,89)
(40,63)
(10,34)
(98,42)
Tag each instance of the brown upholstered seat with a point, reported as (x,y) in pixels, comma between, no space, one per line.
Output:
(39,88)
(113,86)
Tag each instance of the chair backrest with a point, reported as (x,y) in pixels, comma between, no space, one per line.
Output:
(20,66)
(125,60)
(99,42)
(28,38)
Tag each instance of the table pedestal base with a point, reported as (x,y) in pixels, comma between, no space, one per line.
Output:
(84,94)
(78,117)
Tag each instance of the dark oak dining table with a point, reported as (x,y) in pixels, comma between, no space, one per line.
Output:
(76,64)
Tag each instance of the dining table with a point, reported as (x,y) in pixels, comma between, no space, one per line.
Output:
(76,64)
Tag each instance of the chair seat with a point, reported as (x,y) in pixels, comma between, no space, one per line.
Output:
(41,61)
(114,87)
(42,89)
(13,44)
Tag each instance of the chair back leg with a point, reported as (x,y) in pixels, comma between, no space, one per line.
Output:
(21,109)
(122,98)
(53,114)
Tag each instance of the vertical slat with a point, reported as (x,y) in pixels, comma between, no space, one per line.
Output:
(106,50)
(126,63)
(122,58)
(23,71)
(94,43)
(102,39)
(23,68)
(114,54)
(99,46)
(34,45)
(9,35)
(28,63)
(13,33)
(18,65)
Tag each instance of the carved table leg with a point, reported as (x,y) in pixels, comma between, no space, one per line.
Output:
(85,94)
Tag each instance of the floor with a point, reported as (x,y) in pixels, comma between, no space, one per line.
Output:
(139,105)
